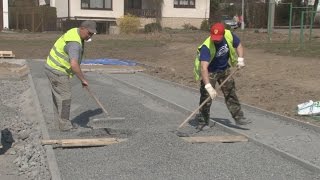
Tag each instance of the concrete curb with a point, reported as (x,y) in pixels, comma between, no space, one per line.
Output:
(290,157)
(52,162)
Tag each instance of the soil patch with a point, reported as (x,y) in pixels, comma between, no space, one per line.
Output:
(278,76)
(11,70)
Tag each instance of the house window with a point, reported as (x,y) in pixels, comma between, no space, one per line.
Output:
(96,4)
(184,3)
(133,4)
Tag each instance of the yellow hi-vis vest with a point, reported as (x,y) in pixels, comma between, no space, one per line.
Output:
(232,53)
(57,58)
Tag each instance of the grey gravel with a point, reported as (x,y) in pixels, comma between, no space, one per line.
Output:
(153,150)
(282,133)
(16,114)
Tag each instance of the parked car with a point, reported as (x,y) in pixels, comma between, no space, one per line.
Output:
(229,21)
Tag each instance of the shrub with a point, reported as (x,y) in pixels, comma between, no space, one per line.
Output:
(129,24)
(152,27)
(189,26)
(205,26)
(167,28)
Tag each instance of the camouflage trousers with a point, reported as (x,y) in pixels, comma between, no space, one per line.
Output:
(229,92)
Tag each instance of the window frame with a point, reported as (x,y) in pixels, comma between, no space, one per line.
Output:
(131,2)
(88,8)
(184,6)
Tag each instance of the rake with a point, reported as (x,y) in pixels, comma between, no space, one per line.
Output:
(108,117)
(203,103)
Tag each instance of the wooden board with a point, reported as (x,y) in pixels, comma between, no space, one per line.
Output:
(82,142)
(212,139)
(6,54)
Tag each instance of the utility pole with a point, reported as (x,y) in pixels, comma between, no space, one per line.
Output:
(242,14)
(271,12)
(271,16)
(5,16)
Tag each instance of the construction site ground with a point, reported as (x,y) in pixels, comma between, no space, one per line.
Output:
(280,147)
(278,76)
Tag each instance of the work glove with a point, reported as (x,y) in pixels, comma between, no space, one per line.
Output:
(210,90)
(240,62)
(84,83)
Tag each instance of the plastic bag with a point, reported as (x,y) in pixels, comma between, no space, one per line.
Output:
(309,108)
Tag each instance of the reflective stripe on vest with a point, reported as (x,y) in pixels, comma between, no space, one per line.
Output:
(57,58)
(208,43)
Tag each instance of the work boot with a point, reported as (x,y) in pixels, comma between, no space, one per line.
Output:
(242,121)
(201,121)
(65,125)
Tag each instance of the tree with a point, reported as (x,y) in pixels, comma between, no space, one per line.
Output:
(315,6)
(214,5)
(158,7)
(214,9)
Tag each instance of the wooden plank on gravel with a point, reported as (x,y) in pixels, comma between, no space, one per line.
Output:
(82,142)
(213,139)
(6,54)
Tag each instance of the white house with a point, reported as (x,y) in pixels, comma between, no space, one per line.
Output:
(4,18)
(174,13)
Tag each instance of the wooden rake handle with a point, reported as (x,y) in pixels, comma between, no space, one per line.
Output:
(204,102)
(97,100)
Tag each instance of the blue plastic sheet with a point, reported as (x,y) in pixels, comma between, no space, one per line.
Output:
(109,62)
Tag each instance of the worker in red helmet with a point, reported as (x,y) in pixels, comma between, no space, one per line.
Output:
(216,55)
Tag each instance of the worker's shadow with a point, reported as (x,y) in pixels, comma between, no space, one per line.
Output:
(83,119)
(227,123)
(6,140)
(194,122)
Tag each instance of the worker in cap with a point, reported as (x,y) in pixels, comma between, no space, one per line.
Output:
(63,62)
(215,56)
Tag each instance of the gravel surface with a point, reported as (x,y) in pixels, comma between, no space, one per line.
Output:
(279,132)
(20,132)
(153,150)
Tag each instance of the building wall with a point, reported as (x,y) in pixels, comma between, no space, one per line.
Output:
(62,7)
(171,17)
(174,23)
(200,11)
(177,17)
(177,23)
(116,12)
(53,3)
(42,2)
(145,21)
